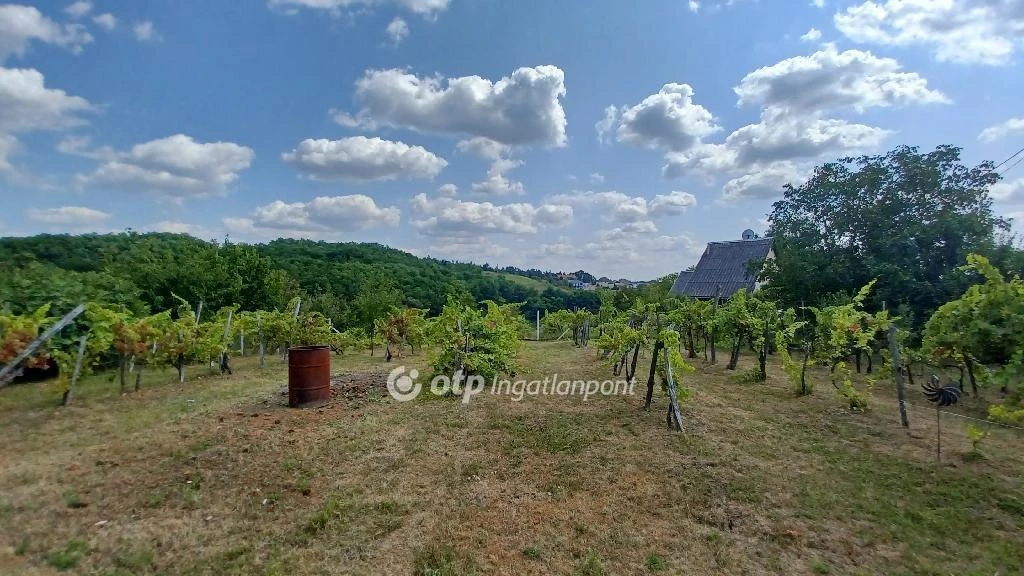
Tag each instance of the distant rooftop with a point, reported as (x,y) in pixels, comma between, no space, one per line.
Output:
(723,268)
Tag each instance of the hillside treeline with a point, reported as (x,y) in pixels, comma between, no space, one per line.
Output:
(344,281)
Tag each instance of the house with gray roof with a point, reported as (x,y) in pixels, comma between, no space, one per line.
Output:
(724,268)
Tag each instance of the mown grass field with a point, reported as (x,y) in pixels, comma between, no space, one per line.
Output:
(216,476)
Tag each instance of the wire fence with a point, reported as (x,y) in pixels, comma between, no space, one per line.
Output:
(952,429)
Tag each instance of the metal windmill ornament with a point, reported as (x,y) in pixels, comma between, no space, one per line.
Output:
(941,396)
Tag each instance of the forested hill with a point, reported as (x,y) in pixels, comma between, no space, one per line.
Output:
(144,271)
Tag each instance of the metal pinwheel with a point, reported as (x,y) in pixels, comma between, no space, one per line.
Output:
(940,396)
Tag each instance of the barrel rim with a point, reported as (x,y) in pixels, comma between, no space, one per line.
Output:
(309,348)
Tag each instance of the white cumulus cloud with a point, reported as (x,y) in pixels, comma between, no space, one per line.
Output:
(830,80)
(1002,130)
(362,159)
(668,120)
(321,217)
(396,31)
(812,35)
(106,21)
(20,25)
(145,32)
(450,217)
(68,216)
(520,109)
(427,8)
(962,31)
(78,9)
(175,167)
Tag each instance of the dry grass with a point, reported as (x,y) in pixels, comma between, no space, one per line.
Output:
(218,477)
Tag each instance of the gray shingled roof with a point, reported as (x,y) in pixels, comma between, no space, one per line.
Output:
(724,265)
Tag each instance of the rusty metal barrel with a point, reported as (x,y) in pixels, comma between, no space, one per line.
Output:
(309,375)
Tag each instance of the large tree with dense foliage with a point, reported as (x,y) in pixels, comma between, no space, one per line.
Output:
(906,218)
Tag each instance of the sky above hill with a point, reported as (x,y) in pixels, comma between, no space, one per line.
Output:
(617,137)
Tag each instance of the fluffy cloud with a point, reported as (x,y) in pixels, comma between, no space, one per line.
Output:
(396,31)
(8,144)
(667,120)
(476,249)
(1008,191)
(645,253)
(145,32)
(427,8)
(777,137)
(780,136)
(68,216)
(605,125)
(448,190)
(450,217)
(78,9)
(796,97)
(765,183)
(633,212)
(362,159)
(106,21)
(671,204)
(832,80)
(19,25)
(27,104)
(324,216)
(812,35)
(520,109)
(175,167)
(962,31)
(999,131)
(496,183)
(484,148)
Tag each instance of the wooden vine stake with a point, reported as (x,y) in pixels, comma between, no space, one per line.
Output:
(897,373)
(66,400)
(224,366)
(7,373)
(673,418)
(259,331)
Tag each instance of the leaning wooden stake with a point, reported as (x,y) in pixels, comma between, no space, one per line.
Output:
(9,369)
(74,376)
(897,373)
(673,416)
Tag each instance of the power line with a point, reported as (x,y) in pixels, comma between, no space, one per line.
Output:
(1017,153)
(1012,166)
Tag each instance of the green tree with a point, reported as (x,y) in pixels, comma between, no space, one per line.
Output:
(906,218)
(378,295)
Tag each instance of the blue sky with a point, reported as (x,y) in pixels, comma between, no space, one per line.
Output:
(617,137)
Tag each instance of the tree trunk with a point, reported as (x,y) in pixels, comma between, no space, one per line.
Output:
(138,379)
(181,368)
(734,357)
(632,365)
(857,355)
(650,376)
(970,374)
(762,360)
(371,339)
